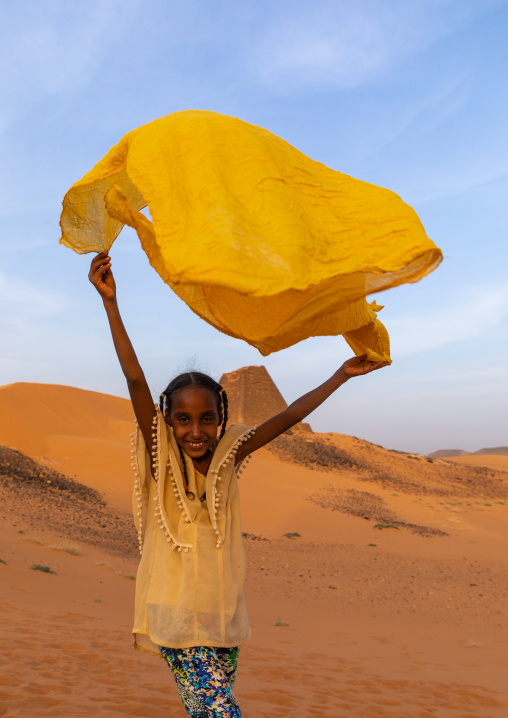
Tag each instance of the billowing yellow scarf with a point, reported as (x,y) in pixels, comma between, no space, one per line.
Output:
(259,240)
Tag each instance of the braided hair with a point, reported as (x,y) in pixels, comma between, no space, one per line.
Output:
(199,379)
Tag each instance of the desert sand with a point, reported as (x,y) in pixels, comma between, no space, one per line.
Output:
(491,461)
(391,601)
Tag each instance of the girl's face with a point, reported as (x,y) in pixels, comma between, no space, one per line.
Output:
(194,419)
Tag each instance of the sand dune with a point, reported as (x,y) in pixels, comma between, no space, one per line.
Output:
(491,461)
(384,619)
(81,433)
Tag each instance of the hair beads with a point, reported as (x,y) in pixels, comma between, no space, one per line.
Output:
(225,403)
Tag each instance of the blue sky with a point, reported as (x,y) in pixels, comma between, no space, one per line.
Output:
(410,95)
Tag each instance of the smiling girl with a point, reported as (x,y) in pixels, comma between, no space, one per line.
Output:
(189,604)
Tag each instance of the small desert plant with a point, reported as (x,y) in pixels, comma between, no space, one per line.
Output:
(2,561)
(385,526)
(34,539)
(44,569)
(68,548)
(280,622)
(129,575)
(294,534)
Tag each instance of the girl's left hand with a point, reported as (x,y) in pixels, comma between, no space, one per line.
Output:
(357,366)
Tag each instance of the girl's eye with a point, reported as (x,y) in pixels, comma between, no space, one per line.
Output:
(183,419)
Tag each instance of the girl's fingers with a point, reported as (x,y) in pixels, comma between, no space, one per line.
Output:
(100,259)
(373,365)
(102,263)
(97,275)
(380,364)
(101,268)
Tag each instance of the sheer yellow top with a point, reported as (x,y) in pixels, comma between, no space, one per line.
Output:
(189,584)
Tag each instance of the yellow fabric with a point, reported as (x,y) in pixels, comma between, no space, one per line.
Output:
(189,584)
(258,239)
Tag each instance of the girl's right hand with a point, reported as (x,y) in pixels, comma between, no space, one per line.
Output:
(101,276)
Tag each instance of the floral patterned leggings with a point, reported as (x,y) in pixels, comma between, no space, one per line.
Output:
(205,678)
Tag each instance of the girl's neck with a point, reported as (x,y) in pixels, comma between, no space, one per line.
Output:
(203,463)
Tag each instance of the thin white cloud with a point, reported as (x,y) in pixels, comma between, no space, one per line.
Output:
(348,43)
(428,111)
(53,47)
(442,182)
(467,317)
(22,301)
(24,245)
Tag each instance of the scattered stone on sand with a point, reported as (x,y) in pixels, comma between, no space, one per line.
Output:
(367,506)
(253,537)
(394,470)
(46,499)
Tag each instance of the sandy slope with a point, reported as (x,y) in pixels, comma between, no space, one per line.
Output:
(414,625)
(80,433)
(492,461)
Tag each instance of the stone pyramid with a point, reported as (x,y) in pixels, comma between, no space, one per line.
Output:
(253,397)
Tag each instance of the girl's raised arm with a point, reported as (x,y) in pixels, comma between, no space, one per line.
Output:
(302,407)
(102,278)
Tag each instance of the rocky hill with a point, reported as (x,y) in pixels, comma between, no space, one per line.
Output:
(45,499)
(395,470)
(494,451)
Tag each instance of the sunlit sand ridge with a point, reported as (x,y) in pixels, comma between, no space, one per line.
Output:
(390,602)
